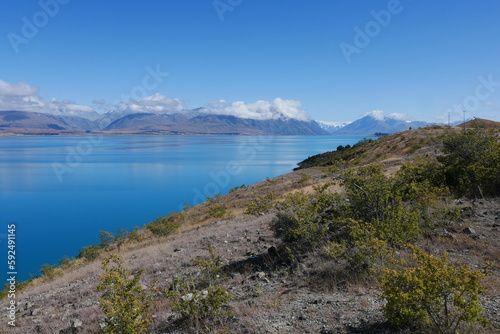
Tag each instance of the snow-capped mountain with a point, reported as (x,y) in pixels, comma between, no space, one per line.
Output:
(370,125)
(331,127)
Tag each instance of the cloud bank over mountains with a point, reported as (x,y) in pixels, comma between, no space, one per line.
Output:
(260,110)
(24,97)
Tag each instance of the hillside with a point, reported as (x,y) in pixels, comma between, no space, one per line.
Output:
(22,122)
(276,286)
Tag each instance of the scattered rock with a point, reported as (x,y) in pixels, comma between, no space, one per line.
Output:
(187,297)
(76,323)
(469,231)
(447,234)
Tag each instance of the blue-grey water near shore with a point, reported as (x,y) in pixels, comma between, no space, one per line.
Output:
(61,191)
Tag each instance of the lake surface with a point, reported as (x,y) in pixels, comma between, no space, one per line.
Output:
(61,191)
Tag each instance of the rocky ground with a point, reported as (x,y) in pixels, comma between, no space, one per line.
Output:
(267,296)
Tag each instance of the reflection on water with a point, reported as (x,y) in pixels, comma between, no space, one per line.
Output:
(60,191)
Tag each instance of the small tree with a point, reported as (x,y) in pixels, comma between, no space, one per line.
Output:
(125,304)
(435,293)
(107,238)
(203,309)
(210,268)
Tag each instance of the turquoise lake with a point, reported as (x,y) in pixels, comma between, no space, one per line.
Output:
(60,191)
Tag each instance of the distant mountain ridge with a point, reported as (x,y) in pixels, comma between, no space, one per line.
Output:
(369,126)
(24,121)
(195,121)
(191,122)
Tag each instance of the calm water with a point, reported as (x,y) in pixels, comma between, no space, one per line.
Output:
(61,191)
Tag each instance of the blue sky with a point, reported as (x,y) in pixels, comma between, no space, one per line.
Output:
(420,59)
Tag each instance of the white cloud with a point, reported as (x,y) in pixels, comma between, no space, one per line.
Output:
(19,89)
(24,97)
(377,114)
(399,116)
(158,104)
(260,110)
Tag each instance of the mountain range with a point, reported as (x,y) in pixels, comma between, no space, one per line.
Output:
(191,122)
(196,121)
(372,125)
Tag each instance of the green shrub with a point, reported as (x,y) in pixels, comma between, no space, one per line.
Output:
(472,163)
(376,199)
(210,268)
(65,262)
(48,271)
(134,236)
(302,219)
(90,253)
(233,189)
(435,293)
(201,302)
(358,244)
(261,204)
(107,238)
(165,226)
(202,309)
(125,304)
(422,169)
(217,211)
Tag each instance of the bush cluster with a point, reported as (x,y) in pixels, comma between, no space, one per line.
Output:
(378,215)
(165,226)
(261,204)
(342,154)
(434,293)
(471,164)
